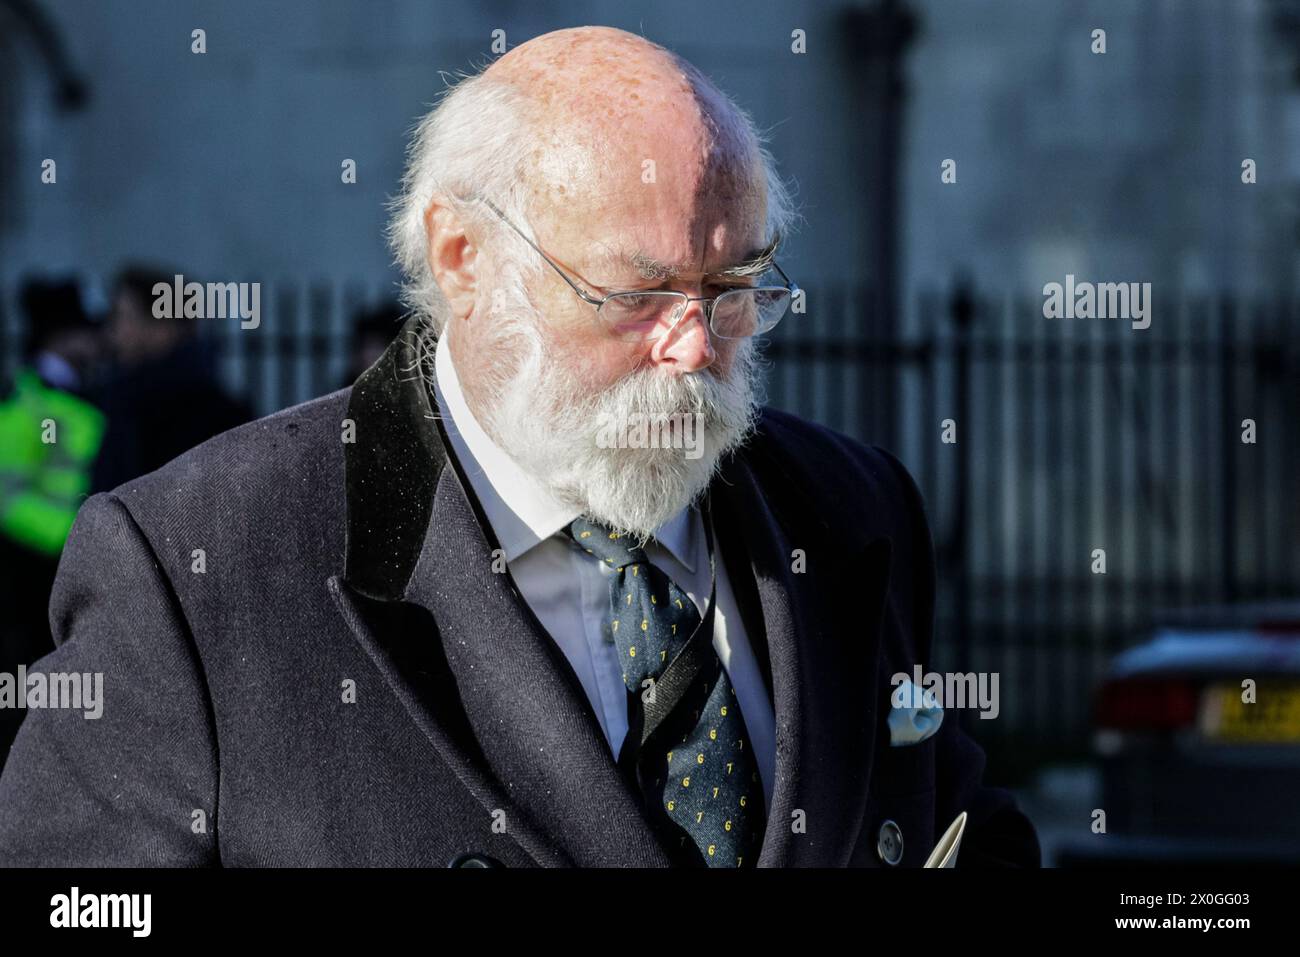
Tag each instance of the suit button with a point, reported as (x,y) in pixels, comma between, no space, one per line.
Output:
(889,843)
(470,859)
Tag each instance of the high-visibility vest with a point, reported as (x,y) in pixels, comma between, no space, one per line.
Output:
(48,443)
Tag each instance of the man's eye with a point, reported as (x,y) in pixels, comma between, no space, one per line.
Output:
(635,305)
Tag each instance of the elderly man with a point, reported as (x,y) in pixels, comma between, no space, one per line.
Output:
(545,587)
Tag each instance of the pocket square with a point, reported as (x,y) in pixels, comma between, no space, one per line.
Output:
(918,717)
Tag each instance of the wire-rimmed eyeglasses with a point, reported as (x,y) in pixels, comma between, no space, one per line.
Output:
(646,315)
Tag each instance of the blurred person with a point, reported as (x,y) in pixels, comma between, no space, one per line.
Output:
(162,395)
(63,344)
(49,435)
(457,614)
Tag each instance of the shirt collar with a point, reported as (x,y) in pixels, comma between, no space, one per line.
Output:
(522,512)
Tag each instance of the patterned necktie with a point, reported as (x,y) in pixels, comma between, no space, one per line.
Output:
(686,739)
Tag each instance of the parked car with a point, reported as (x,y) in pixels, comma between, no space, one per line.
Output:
(1198,737)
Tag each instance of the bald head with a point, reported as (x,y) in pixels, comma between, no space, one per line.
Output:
(583,68)
(625,132)
(598,79)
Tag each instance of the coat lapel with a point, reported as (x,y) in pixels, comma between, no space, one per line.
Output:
(539,734)
(402,640)
(824,688)
(458,645)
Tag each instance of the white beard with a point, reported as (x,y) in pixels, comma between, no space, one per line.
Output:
(548,423)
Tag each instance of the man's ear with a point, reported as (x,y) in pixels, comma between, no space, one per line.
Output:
(453,257)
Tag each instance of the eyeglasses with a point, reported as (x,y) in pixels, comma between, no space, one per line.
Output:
(646,315)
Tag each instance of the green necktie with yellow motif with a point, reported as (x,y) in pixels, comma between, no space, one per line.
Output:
(686,737)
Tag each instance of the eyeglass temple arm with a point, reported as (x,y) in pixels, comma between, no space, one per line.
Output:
(550,262)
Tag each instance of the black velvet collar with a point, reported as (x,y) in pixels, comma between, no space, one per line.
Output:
(392,466)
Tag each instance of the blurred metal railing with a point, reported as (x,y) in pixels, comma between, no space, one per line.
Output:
(1071,435)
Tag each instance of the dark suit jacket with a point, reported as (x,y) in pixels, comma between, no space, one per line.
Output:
(331,565)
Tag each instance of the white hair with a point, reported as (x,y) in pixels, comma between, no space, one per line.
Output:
(477,142)
(473,143)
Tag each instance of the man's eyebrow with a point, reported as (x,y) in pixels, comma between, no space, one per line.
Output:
(755,263)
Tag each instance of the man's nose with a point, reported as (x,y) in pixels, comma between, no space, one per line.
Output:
(687,345)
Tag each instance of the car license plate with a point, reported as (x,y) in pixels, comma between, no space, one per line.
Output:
(1273,717)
